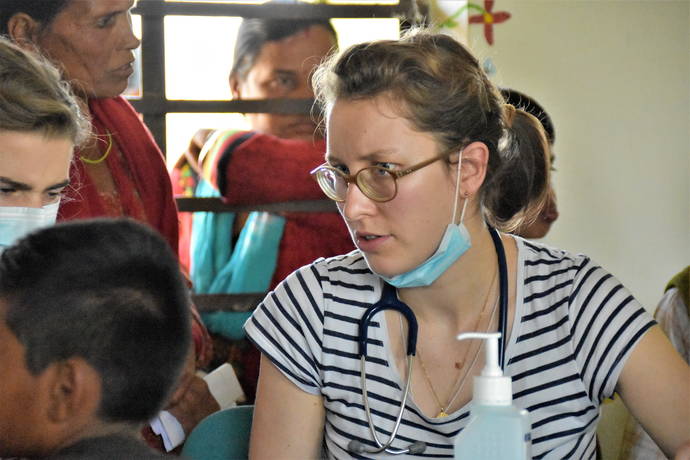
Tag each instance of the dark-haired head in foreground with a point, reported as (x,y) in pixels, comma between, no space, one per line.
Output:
(94,328)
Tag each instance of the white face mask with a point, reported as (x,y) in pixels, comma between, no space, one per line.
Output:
(16,222)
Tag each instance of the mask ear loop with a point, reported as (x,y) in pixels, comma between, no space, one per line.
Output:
(457,194)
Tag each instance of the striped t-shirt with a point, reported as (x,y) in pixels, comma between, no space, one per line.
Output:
(575,325)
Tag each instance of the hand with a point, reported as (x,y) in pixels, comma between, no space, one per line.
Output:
(196,143)
(195,404)
(192,401)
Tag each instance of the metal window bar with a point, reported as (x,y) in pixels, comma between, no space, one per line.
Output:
(185,204)
(206,303)
(154,106)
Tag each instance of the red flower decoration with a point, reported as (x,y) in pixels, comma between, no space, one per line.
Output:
(489,18)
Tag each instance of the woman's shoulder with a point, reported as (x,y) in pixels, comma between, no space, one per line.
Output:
(346,268)
(544,258)
(343,275)
(549,272)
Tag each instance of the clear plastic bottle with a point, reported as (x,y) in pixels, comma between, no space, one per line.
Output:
(497,430)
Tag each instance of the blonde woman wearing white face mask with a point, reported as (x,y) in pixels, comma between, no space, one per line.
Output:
(40,123)
(431,169)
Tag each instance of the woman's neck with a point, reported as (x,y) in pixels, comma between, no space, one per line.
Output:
(460,292)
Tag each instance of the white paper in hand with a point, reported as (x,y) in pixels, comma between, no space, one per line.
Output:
(224,386)
(225,389)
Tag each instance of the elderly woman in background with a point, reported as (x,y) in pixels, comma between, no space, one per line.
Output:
(120,171)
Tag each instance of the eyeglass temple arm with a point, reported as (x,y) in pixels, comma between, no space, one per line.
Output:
(411,169)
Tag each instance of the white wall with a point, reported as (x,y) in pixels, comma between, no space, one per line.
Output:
(615,78)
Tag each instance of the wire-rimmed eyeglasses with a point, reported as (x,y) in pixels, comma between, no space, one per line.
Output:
(375,182)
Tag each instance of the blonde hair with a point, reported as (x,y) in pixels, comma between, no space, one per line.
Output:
(442,90)
(33,97)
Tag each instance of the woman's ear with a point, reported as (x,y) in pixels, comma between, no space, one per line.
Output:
(235,87)
(475,159)
(23,30)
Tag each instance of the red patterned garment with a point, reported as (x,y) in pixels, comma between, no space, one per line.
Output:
(268,169)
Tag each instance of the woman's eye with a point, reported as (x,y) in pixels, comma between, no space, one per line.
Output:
(282,83)
(285,81)
(53,194)
(106,21)
(342,168)
(7,190)
(386,165)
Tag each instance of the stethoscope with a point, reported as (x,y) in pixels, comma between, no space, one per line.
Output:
(389,301)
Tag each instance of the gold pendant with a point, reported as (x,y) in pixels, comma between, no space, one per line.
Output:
(441,414)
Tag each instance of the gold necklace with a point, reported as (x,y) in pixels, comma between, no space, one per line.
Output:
(461,381)
(105,155)
(474,360)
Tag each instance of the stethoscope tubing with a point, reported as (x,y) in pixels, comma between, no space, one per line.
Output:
(502,295)
(389,301)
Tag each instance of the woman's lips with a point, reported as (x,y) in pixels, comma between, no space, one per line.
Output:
(369,242)
(125,70)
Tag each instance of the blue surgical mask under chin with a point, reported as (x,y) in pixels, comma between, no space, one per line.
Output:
(455,242)
(16,222)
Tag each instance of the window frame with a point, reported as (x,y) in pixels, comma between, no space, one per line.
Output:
(153,104)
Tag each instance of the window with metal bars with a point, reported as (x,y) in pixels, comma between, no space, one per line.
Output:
(166,26)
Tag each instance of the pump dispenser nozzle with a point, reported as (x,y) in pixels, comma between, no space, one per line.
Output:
(497,430)
(491,387)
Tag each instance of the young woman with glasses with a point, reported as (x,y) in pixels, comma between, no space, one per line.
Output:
(425,160)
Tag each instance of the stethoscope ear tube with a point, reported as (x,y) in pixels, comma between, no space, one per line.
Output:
(503,294)
(389,301)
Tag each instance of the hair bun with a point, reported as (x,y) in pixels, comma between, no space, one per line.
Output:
(508,115)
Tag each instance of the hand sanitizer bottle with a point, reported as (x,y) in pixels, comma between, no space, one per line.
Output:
(497,430)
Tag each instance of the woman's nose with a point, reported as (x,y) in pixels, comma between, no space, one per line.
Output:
(33,200)
(551,208)
(356,204)
(131,41)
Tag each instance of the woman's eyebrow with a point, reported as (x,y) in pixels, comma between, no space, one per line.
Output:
(59,185)
(376,155)
(14,184)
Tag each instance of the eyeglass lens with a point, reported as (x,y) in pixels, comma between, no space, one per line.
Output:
(374,182)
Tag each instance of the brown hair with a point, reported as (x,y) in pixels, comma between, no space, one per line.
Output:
(444,91)
(34,98)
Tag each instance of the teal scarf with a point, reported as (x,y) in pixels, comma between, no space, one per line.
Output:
(218,268)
